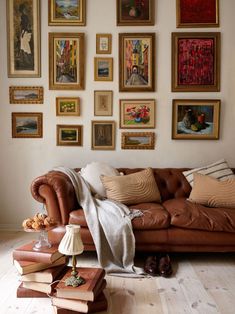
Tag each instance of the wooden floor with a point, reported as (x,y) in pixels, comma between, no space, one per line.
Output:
(202,283)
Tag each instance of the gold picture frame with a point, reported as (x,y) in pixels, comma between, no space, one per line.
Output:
(69,135)
(23,38)
(103,69)
(137,62)
(27,124)
(103,103)
(103,135)
(66,73)
(67,106)
(103,43)
(195,119)
(26,94)
(69,15)
(138,140)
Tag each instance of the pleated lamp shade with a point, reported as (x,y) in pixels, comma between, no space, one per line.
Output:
(71,243)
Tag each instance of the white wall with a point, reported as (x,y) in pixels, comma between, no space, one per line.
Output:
(24,159)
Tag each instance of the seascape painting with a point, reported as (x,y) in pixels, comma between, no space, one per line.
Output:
(26,124)
(26,94)
(138,140)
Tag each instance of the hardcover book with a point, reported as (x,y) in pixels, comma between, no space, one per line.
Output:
(39,286)
(45,255)
(47,275)
(100,304)
(88,291)
(26,267)
(28,293)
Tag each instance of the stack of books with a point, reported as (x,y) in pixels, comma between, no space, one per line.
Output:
(38,270)
(87,298)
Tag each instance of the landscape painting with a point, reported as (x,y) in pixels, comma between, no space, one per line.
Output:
(140,140)
(67,12)
(26,124)
(69,135)
(103,69)
(195,119)
(23,21)
(26,94)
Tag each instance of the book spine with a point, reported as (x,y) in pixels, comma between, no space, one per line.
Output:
(22,292)
(32,257)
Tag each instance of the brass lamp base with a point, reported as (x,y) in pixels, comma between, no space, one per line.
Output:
(74,281)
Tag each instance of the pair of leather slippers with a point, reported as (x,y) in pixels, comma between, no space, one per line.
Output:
(158,265)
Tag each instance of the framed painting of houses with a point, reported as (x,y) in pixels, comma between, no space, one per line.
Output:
(67,12)
(195,119)
(136,62)
(27,124)
(196,62)
(135,12)
(199,13)
(23,34)
(66,61)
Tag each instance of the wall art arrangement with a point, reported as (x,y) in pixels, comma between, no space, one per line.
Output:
(67,13)
(103,43)
(69,135)
(103,103)
(103,69)
(138,140)
(23,34)
(103,135)
(195,119)
(26,124)
(67,106)
(26,94)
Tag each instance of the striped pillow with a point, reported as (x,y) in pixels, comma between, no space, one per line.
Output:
(219,170)
(135,188)
(211,192)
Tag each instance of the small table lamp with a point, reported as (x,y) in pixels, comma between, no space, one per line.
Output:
(71,244)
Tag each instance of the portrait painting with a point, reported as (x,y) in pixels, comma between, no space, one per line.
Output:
(103,135)
(26,124)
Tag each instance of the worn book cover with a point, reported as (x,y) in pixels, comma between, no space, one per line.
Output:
(39,286)
(22,292)
(88,291)
(45,255)
(26,267)
(100,304)
(47,275)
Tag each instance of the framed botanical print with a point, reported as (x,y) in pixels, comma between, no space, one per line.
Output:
(66,61)
(138,140)
(199,13)
(26,124)
(135,12)
(23,34)
(195,119)
(103,135)
(67,106)
(69,135)
(137,113)
(103,103)
(67,12)
(136,62)
(195,62)
(26,94)
(103,43)
(103,69)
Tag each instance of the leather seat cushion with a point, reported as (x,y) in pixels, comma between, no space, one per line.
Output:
(154,217)
(186,214)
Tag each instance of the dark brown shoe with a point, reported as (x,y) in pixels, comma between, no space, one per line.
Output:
(165,268)
(151,266)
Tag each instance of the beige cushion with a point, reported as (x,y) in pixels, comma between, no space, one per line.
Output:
(139,187)
(211,192)
(219,170)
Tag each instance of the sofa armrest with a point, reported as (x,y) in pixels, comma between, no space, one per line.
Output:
(56,191)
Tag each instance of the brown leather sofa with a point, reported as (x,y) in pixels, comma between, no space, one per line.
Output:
(175,225)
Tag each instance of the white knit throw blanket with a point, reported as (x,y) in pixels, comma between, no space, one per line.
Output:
(110,225)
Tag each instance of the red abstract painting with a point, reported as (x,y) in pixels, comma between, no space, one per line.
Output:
(198,11)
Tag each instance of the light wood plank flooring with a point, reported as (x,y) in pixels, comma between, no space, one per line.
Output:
(201,283)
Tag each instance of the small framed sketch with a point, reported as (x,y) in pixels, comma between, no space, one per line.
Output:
(26,94)
(103,103)
(200,13)
(195,119)
(66,61)
(103,43)
(26,124)
(135,12)
(138,140)
(103,69)
(137,62)
(103,135)
(196,62)
(67,13)
(137,113)
(67,106)
(69,135)
(23,34)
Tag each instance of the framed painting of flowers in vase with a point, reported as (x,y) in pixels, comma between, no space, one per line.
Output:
(137,114)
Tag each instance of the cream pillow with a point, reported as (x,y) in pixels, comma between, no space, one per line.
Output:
(92,172)
(219,170)
(211,192)
(139,187)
